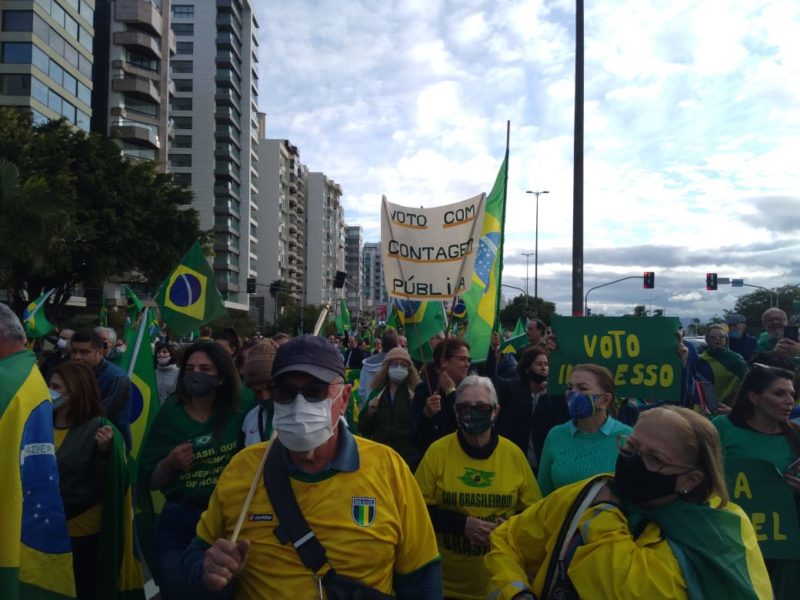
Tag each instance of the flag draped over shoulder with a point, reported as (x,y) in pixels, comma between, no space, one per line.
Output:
(138,364)
(188,297)
(422,320)
(35,551)
(343,318)
(483,297)
(34,319)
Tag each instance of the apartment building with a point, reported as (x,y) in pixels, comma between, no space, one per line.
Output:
(46,58)
(132,86)
(352,266)
(324,238)
(374,288)
(214,114)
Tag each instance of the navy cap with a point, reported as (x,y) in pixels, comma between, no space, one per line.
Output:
(309,354)
(735,319)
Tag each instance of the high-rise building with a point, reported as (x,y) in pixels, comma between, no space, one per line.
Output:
(214,113)
(374,288)
(46,58)
(324,238)
(352,266)
(132,85)
(281,208)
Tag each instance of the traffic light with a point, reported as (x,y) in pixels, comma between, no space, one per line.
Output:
(711,281)
(588,312)
(251,285)
(649,280)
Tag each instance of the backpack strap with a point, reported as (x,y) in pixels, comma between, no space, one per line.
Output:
(292,526)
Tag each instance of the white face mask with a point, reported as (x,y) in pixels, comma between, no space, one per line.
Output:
(61,344)
(302,425)
(398,374)
(163,361)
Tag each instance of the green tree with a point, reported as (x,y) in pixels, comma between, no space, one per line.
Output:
(92,213)
(280,291)
(753,305)
(515,310)
(289,321)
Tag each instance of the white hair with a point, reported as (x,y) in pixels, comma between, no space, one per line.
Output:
(479,382)
(111,335)
(10,326)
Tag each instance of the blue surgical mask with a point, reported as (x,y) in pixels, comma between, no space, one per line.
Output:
(581,406)
(57,398)
(734,334)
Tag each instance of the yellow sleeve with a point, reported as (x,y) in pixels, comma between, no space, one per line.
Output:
(518,547)
(426,476)
(611,564)
(530,491)
(417,545)
(211,525)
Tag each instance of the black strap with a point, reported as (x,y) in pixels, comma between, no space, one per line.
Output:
(292,525)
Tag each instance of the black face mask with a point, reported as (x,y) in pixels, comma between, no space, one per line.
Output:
(636,483)
(537,377)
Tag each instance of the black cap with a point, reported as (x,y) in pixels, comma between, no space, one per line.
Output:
(309,354)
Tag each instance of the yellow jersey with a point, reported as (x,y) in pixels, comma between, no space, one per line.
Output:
(372,523)
(491,489)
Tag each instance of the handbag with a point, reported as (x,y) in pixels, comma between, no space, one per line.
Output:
(293,528)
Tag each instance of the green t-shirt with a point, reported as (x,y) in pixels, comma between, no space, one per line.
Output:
(174,426)
(739,442)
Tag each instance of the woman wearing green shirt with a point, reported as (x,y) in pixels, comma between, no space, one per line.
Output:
(195,434)
(585,445)
(759,427)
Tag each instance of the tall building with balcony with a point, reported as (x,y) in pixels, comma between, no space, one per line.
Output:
(214,114)
(374,288)
(324,238)
(46,58)
(133,48)
(282,232)
(353,268)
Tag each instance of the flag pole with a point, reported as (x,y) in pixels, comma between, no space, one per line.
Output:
(502,226)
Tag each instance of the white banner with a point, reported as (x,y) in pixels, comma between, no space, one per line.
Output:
(429,253)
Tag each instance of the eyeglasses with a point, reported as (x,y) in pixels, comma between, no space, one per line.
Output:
(316,391)
(462,408)
(651,461)
(716,337)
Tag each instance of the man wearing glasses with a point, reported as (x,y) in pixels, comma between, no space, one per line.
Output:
(358,497)
(774,337)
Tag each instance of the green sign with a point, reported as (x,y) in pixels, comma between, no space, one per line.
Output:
(640,352)
(758,487)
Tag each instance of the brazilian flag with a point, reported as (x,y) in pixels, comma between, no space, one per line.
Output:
(34,319)
(188,297)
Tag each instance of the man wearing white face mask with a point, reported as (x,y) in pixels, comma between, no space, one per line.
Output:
(59,354)
(358,497)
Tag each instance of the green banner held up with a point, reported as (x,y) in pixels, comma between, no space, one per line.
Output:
(758,487)
(640,352)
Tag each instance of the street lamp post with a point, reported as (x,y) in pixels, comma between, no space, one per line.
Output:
(536,247)
(527,255)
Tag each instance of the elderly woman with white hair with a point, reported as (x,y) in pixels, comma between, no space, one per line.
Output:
(473,480)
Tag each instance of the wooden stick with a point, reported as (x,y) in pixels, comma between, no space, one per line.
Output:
(250,495)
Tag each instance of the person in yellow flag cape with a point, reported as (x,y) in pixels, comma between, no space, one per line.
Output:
(35,554)
(95,488)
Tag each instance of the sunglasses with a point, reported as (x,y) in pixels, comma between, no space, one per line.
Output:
(316,391)
(464,408)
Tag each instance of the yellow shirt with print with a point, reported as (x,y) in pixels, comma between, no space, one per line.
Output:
(372,523)
(493,488)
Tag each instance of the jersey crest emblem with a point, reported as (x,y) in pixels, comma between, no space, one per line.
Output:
(363,511)
(476,478)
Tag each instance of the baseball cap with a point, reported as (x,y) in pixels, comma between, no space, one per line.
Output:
(735,319)
(309,354)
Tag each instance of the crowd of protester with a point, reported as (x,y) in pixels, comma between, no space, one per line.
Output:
(427,480)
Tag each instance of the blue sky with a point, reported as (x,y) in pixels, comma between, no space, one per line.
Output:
(692,131)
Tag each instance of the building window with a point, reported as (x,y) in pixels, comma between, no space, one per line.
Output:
(17,20)
(182,66)
(182,141)
(17,53)
(183,85)
(182,122)
(184,47)
(184,179)
(182,104)
(180,160)
(141,107)
(15,85)
(184,11)
(183,29)
(142,61)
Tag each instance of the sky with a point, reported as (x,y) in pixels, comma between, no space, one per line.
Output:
(691,144)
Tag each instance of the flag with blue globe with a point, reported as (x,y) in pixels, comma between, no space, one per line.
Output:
(188,297)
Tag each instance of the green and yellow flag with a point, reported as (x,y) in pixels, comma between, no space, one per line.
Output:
(422,320)
(514,344)
(343,318)
(104,311)
(34,319)
(35,551)
(483,297)
(188,297)
(520,327)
